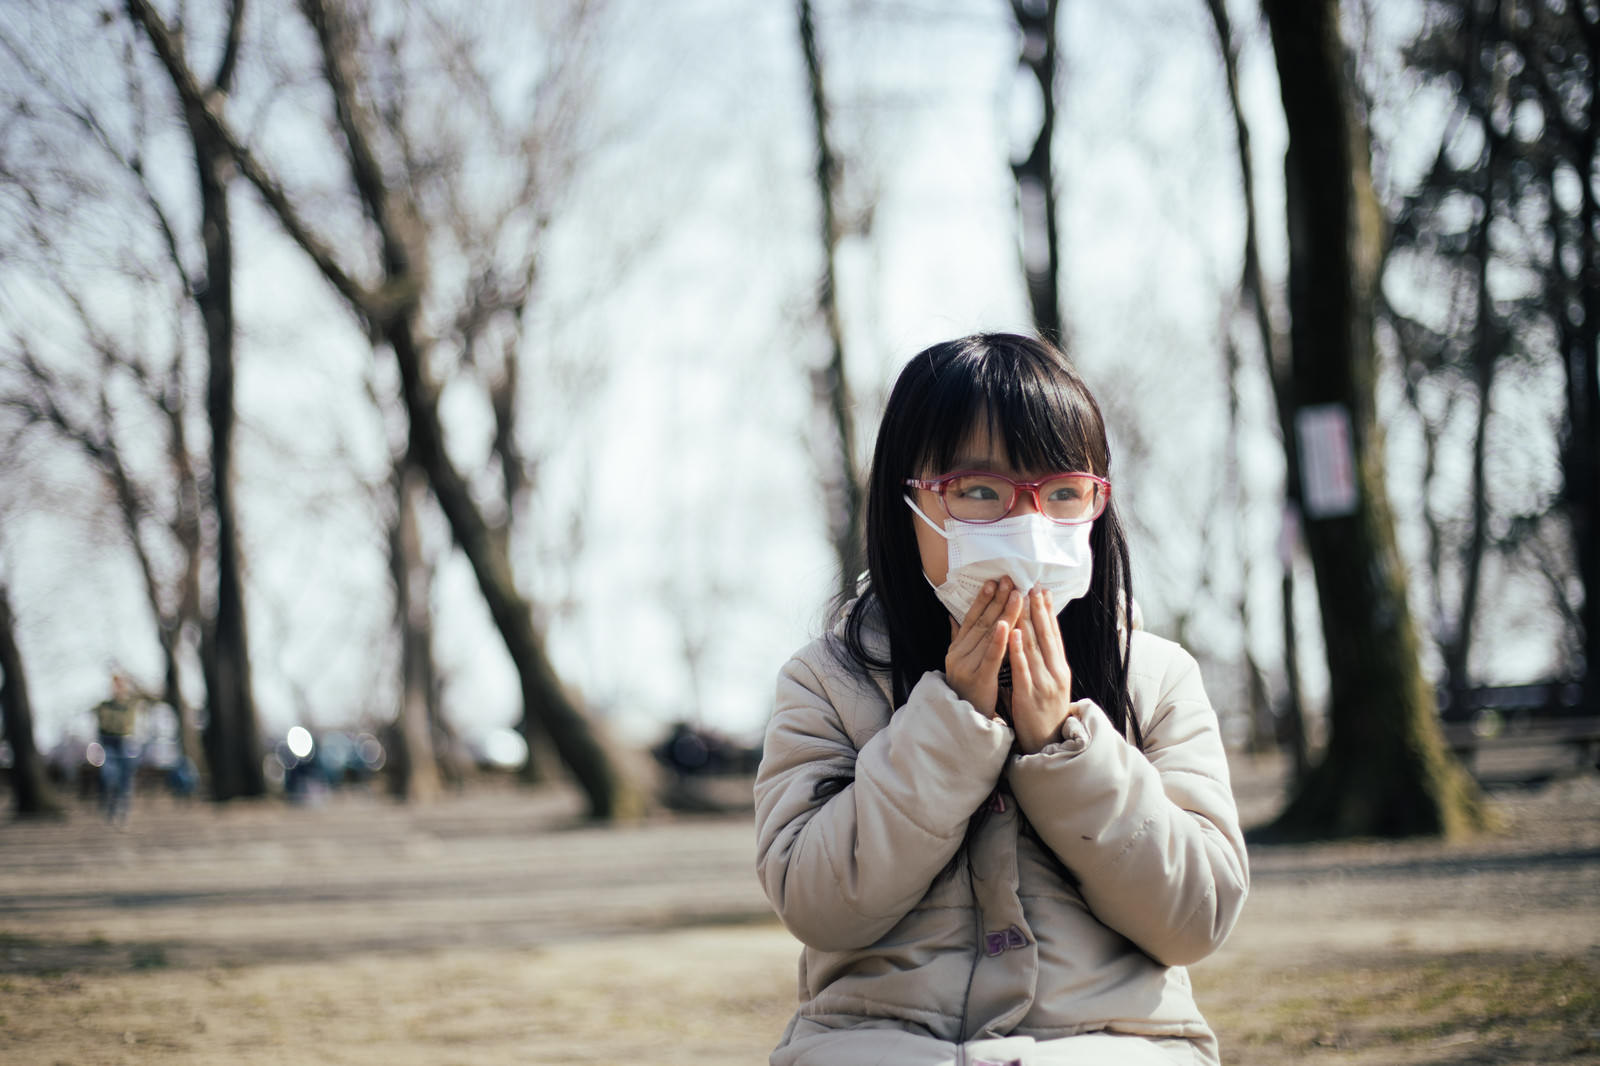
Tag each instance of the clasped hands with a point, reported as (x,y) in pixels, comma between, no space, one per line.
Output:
(1002,623)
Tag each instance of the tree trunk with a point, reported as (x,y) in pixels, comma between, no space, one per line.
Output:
(847,502)
(1035,175)
(503,392)
(31,793)
(169,624)
(543,695)
(1480,90)
(1294,720)
(413,773)
(1580,452)
(233,745)
(1385,770)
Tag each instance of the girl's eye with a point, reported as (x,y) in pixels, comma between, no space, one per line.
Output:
(1066,493)
(974,492)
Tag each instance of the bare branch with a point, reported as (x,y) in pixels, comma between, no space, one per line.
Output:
(223,80)
(364,166)
(170,52)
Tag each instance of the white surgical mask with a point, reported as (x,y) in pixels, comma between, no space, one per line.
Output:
(1031,550)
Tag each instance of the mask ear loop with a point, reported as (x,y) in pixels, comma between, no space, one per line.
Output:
(907,497)
(931,523)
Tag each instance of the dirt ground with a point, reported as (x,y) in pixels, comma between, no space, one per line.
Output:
(493,928)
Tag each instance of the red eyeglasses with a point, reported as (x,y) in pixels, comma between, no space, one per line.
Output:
(980,497)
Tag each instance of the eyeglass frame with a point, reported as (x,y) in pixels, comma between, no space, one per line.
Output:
(937,486)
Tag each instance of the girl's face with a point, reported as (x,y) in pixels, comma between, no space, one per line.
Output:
(982,450)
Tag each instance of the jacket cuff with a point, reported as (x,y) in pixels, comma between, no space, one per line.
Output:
(1083,724)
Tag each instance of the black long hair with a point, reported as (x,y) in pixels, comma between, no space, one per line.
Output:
(1026,393)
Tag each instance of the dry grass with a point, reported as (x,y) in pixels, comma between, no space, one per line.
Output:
(712,996)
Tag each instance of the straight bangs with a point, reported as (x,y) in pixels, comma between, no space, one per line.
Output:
(1047,420)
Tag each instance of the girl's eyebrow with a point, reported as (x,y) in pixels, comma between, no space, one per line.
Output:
(989,464)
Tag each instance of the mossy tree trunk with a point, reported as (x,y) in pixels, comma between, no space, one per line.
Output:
(1385,770)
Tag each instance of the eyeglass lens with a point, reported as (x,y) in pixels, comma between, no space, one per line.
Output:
(986,498)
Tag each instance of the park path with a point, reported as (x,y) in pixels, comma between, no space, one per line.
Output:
(495,867)
(499,867)
(495,926)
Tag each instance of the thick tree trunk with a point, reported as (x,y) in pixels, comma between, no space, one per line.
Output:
(847,502)
(31,793)
(1035,175)
(1385,771)
(413,773)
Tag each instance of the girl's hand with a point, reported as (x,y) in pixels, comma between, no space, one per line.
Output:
(1041,680)
(978,645)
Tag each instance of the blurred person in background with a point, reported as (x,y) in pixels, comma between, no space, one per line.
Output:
(116,718)
(996,812)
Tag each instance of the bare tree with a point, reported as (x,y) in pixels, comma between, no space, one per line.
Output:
(1253,294)
(390,307)
(1035,173)
(842,483)
(1520,145)
(47,399)
(91,160)
(1385,770)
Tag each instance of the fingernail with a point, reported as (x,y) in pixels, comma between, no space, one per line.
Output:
(988,587)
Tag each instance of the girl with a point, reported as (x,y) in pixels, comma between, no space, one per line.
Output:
(996,813)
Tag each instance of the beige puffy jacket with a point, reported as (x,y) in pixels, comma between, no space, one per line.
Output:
(1133,868)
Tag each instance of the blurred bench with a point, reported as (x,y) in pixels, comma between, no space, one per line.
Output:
(1546,713)
(1466,739)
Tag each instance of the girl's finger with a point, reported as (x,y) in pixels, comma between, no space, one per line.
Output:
(1004,608)
(1046,631)
(999,602)
(975,612)
(996,648)
(1047,634)
(1053,627)
(1030,627)
(1021,671)
(1012,610)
